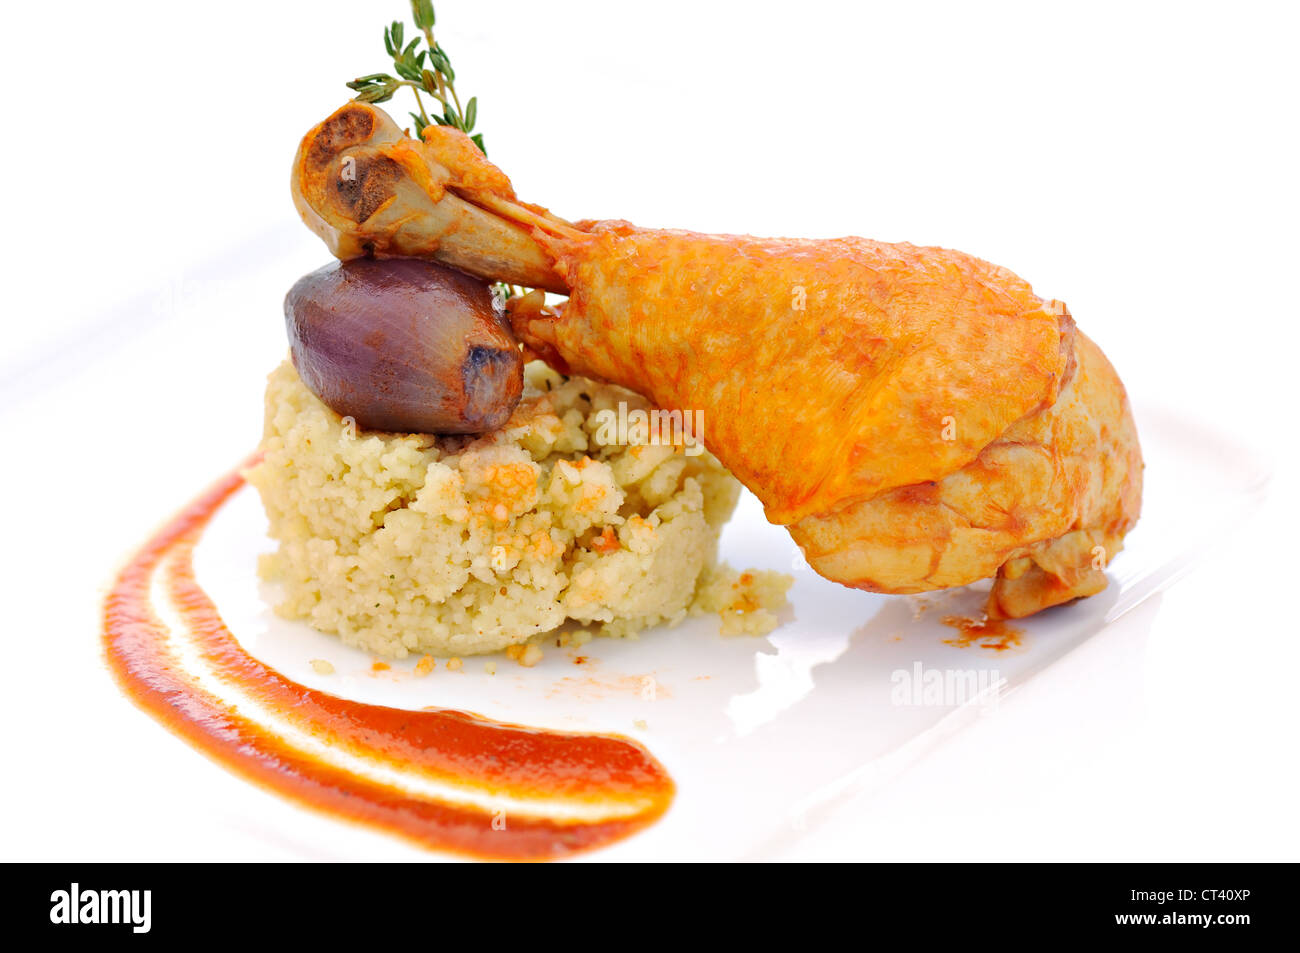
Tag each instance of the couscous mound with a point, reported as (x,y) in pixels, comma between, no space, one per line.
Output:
(407,543)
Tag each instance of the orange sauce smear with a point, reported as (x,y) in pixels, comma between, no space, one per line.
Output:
(986,633)
(617,776)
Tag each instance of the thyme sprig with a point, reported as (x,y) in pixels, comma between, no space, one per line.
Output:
(427,71)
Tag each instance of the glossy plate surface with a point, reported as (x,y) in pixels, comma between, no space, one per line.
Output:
(766,737)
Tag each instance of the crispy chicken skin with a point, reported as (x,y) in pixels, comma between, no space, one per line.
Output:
(917,417)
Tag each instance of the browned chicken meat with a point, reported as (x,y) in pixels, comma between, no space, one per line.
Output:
(916,417)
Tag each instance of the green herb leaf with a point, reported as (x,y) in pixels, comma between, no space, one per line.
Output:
(374,79)
(427,71)
(376,94)
(439,61)
(422,12)
(393,38)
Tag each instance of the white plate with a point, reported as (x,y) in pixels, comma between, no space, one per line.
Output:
(765,737)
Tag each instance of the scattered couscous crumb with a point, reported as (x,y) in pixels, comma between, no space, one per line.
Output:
(462,545)
(640,723)
(745,601)
(490,667)
(321,667)
(426,665)
(531,655)
(453,664)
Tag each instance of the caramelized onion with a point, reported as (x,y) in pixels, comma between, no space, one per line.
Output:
(404,345)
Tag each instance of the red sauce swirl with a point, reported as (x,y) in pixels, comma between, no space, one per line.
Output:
(575,791)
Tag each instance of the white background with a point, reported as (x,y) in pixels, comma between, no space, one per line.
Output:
(1137,160)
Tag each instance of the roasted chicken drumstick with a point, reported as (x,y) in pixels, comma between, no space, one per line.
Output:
(916,417)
